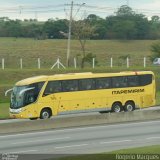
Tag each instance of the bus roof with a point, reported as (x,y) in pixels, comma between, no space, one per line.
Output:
(77,76)
(31,80)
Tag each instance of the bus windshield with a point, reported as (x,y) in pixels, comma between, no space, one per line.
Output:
(25,95)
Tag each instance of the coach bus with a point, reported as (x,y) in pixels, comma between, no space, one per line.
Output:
(46,96)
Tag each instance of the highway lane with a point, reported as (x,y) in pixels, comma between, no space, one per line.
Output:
(72,115)
(83,140)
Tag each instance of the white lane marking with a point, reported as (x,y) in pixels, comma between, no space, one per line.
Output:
(80,128)
(153,138)
(78,145)
(41,140)
(24,151)
(115,142)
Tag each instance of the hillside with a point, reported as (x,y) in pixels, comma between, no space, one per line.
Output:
(12,49)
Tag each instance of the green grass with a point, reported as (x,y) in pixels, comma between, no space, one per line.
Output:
(12,49)
(141,150)
(149,150)
(4,110)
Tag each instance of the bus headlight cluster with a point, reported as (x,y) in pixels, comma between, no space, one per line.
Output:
(16,110)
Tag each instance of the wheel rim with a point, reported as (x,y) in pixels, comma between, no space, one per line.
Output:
(129,107)
(45,115)
(117,108)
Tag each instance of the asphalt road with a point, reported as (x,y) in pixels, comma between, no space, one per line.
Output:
(72,115)
(83,140)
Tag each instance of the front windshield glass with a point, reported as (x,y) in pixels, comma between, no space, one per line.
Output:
(17,100)
(24,95)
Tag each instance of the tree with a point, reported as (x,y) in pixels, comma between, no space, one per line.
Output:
(125,10)
(155,19)
(99,25)
(125,29)
(53,28)
(155,48)
(34,30)
(155,27)
(83,31)
(13,28)
(127,25)
(4,19)
(93,19)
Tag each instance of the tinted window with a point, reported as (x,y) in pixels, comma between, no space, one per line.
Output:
(118,82)
(70,85)
(86,84)
(53,87)
(145,79)
(103,83)
(31,96)
(37,86)
(133,81)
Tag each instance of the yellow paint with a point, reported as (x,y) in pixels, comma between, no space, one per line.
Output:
(85,100)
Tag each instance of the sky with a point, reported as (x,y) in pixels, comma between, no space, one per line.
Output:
(45,9)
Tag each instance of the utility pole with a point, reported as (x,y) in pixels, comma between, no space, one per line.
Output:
(69,36)
(127,2)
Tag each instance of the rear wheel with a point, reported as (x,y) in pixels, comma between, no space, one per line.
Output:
(45,114)
(129,106)
(117,107)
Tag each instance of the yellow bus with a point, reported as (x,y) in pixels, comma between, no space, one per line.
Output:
(46,96)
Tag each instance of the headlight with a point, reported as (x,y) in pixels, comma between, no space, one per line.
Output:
(16,110)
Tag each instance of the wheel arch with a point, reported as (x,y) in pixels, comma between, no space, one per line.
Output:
(130,101)
(116,102)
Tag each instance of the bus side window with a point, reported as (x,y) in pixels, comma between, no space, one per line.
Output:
(103,83)
(133,81)
(86,84)
(145,79)
(52,87)
(119,82)
(70,85)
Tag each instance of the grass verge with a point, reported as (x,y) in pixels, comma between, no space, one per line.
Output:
(4,110)
(141,153)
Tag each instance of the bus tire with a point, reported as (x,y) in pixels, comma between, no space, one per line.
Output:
(45,114)
(129,106)
(117,107)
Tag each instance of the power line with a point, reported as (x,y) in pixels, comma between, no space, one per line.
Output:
(60,8)
(33,8)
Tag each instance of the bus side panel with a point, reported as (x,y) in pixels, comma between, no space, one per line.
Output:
(148,101)
(148,98)
(83,101)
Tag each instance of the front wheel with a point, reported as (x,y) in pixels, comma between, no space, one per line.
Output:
(129,106)
(45,114)
(117,107)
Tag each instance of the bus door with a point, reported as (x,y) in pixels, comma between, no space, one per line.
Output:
(52,95)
